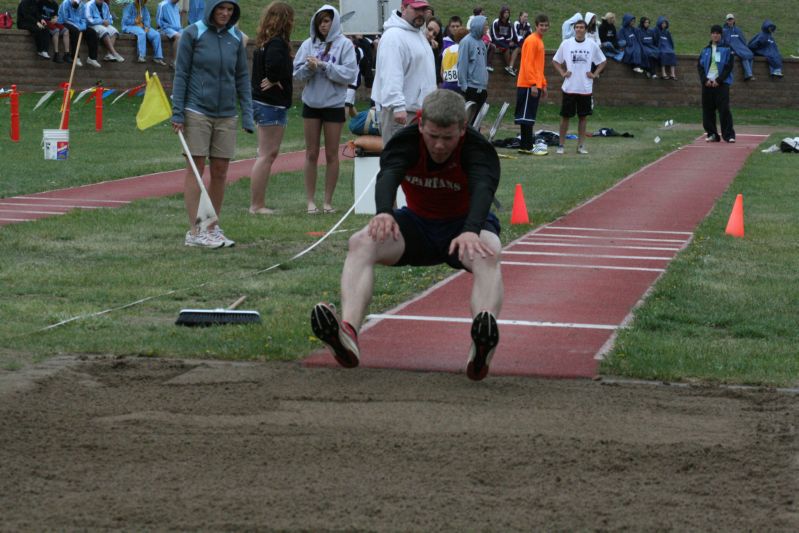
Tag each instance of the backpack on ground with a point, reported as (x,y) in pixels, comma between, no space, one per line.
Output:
(6,21)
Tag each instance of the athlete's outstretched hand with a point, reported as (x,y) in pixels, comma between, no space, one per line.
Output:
(468,244)
(383,226)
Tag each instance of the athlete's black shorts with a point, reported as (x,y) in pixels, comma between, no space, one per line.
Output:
(580,104)
(325,114)
(427,241)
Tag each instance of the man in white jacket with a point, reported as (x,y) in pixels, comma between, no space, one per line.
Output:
(405,71)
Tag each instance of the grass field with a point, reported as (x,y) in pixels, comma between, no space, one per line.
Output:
(707,318)
(690,21)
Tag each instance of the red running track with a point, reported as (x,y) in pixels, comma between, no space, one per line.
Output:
(117,193)
(569,285)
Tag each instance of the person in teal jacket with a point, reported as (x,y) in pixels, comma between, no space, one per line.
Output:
(100,21)
(136,21)
(211,76)
(167,20)
(715,73)
(72,15)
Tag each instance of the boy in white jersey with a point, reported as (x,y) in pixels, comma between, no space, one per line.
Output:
(573,61)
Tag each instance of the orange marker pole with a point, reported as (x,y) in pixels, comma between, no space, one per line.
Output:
(14,114)
(98,109)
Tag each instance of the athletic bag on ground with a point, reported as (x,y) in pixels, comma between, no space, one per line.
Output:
(364,123)
(789,145)
(6,21)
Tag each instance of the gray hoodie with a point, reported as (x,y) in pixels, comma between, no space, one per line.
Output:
(472,58)
(326,87)
(211,70)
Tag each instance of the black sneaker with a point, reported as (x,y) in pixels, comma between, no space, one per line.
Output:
(339,336)
(485,337)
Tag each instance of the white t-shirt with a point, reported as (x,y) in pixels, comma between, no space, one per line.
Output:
(577,58)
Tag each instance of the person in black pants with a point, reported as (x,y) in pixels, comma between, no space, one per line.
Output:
(715,72)
(30,16)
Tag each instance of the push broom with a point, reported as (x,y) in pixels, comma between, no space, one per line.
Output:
(215,317)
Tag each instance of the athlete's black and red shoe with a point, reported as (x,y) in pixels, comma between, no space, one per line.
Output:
(485,337)
(339,336)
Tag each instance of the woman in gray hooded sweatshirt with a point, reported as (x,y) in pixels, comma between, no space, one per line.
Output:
(326,62)
(210,74)
(472,63)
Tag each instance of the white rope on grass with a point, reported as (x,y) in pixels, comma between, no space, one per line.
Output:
(321,239)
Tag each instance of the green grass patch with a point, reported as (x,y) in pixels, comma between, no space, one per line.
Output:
(726,310)
(690,21)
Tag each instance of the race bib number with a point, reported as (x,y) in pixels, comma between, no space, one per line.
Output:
(450,75)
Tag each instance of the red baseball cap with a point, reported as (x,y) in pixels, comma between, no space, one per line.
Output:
(416,4)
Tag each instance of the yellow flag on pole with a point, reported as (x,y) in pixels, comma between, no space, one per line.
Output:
(155,107)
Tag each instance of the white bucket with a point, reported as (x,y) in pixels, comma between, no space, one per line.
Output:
(55,144)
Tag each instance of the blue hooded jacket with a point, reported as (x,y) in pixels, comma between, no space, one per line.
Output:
(649,41)
(472,57)
(734,38)
(633,50)
(72,14)
(724,63)
(665,43)
(763,44)
(211,70)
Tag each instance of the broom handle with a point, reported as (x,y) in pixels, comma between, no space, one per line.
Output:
(237,303)
(71,77)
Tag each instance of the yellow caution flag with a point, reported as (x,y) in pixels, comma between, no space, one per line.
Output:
(155,107)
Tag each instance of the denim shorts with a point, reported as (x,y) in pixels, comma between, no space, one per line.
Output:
(269,115)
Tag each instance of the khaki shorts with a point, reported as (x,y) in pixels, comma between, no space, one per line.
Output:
(209,136)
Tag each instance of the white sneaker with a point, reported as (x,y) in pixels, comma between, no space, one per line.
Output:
(119,58)
(109,57)
(93,62)
(561,150)
(490,69)
(638,70)
(203,239)
(44,55)
(141,59)
(79,63)
(581,150)
(219,234)
(540,149)
(159,61)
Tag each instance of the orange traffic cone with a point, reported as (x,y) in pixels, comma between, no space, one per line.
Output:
(519,213)
(735,225)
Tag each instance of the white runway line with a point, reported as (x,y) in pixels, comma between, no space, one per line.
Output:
(459,320)
(2,219)
(617,247)
(39,198)
(54,205)
(599,256)
(562,236)
(621,230)
(32,212)
(600,267)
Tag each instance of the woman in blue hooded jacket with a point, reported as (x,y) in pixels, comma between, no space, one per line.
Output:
(763,44)
(649,42)
(630,40)
(211,77)
(666,48)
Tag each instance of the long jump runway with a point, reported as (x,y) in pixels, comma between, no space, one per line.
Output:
(120,192)
(569,285)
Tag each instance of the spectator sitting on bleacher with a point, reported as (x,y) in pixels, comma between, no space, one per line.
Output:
(167,20)
(100,21)
(136,21)
(734,37)
(591,31)
(667,56)
(56,30)
(650,45)
(763,44)
(630,41)
(608,37)
(73,17)
(30,16)
(503,37)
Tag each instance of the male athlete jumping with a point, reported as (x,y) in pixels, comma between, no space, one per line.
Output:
(449,174)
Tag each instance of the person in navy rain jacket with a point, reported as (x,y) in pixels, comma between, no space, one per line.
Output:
(734,37)
(649,42)
(666,47)
(715,73)
(763,44)
(630,39)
